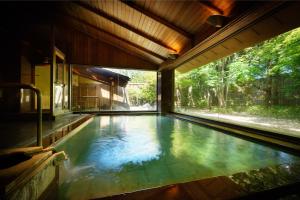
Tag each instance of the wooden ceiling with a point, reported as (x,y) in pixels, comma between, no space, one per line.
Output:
(157,31)
(139,34)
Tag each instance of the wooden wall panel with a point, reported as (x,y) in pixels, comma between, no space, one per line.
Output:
(84,50)
(10,52)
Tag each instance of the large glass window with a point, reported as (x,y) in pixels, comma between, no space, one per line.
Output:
(258,87)
(106,89)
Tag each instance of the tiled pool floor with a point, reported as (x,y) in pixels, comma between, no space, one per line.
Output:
(117,154)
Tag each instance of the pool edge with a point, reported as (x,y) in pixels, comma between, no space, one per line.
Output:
(62,140)
(286,144)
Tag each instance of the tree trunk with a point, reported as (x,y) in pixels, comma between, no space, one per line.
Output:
(222,88)
(275,90)
(268,88)
(208,99)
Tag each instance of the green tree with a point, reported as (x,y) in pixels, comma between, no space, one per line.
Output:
(266,74)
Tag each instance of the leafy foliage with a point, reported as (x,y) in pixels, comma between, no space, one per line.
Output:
(145,90)
(265,76)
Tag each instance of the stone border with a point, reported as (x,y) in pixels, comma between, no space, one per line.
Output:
(279,180)
(61,132)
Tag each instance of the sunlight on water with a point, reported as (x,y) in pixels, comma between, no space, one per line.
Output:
(128,147)
(117,154)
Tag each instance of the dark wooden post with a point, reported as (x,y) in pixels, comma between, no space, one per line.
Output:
(111,95)
(166,91)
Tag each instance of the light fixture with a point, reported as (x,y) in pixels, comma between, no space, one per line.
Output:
(172,56)
(216,20)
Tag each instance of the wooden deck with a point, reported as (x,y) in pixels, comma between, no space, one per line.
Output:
(212,188)
(273,182)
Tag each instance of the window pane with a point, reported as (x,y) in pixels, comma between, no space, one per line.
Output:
(106,89)
(257,87)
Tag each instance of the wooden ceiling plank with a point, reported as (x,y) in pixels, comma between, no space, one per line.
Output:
(96,38)
(158,19)
(116,37)
(210,6)
(123,24)
(235,27)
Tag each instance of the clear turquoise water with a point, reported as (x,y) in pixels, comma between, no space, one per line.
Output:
(117,154)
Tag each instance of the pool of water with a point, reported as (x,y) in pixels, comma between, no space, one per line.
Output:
(117,154)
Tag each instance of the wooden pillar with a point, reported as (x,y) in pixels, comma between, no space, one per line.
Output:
(52,65)
(111,95)
(165,91)
(70,87)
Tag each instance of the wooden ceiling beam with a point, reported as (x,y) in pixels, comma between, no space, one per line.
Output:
(63,24)
(210,6)
(234,28)
(116,37)
(125,25)
(158,19)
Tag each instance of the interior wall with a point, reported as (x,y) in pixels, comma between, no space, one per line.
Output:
(17,54)
(26,78)
(9,71)
(42,82)
(85,50)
